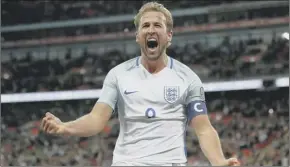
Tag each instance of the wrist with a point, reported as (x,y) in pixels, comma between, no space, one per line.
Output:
(221,162)
(68,124)
(68,129)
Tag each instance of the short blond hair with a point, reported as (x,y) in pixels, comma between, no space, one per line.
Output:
(157,7)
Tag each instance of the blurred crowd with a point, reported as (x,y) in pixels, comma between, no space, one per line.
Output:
(229,59)
(27,12)
(252,126)
(17,13)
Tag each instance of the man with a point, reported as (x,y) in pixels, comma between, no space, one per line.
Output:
(156,97)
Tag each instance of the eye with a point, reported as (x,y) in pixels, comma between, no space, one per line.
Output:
(145,25)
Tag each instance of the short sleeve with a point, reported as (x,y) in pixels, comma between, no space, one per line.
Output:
(109,93)
(195,91)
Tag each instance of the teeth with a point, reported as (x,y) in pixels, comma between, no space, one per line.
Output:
(152,39)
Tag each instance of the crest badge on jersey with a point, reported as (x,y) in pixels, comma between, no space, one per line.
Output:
(171,93)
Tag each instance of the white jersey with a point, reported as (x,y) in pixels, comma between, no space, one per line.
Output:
(151,109)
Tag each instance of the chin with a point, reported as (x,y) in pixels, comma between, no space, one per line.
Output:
(153,57)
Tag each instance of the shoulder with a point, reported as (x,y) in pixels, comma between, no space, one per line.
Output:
(184,71)
(124,67)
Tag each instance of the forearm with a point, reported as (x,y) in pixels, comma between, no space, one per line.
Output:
(85,126)
(210,144)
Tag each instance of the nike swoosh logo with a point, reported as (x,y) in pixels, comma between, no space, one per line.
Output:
(127,93)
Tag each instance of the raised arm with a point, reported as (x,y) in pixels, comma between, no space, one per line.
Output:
(89,124)
(207,135)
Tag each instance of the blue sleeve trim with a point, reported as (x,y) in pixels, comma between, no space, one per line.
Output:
(137,61)
(171,62)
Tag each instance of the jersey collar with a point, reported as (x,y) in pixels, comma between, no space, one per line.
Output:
(169,62)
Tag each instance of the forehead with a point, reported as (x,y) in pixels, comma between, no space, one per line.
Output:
(152,16)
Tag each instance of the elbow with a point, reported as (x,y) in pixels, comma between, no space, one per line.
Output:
(98,124)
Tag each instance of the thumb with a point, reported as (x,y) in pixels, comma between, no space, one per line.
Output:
(50,115)
(233,162)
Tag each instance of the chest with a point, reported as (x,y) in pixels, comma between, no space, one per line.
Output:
(167,89)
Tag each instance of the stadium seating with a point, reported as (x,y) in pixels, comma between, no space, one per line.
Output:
(41,11)
(227,60)
(253,124)
(60,11)
(235,118)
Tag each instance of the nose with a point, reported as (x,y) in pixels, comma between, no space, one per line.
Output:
(151,29)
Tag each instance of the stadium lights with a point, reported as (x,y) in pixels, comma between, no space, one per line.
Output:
(50,96)
(95,93)
(285,35)
(282,82)
(233,85)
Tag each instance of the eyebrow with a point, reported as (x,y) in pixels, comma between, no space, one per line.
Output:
(153,23)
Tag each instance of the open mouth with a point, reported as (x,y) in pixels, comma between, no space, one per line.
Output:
(152,43)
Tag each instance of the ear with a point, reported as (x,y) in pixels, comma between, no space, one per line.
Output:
(169,36)
(136,35)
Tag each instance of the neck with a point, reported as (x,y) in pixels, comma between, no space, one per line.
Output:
(154,66)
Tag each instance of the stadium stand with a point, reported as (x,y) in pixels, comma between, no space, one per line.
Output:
(41,11)
(181,19)
(229,59)
(226,43)
(235,118)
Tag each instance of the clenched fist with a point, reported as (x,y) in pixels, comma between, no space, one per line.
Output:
(52,125)
(231,162)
